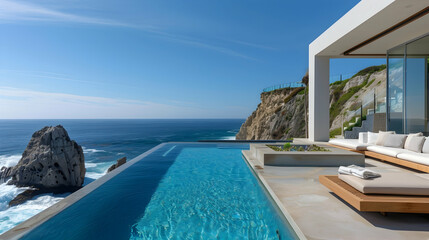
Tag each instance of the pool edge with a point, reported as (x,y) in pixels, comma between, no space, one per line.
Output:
(276,200)
(28,225)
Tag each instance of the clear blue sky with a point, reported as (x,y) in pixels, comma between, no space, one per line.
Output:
(155,59)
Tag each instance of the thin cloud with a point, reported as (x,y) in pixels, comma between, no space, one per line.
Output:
(15,11)
(249,44)
(21,103)
(46,75)
(199,44)
(18,103)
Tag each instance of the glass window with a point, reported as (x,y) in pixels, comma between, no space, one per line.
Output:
(415,86)
(395,83)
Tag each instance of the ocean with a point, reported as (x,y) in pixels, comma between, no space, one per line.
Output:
(103,142)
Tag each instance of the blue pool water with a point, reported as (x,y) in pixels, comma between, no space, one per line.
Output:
(103,142)
(179,191)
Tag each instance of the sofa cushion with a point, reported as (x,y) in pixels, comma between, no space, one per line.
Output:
(349,143)
(389,151)
(414,143)
(372,137)
(390,183)
(363,137)
(407,142)
(394,140)
(422,158)
(381,138)
(425,148)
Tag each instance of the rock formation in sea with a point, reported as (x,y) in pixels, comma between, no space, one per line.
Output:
(52,162)
(118,163)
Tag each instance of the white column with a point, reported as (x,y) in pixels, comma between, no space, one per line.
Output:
(318,119)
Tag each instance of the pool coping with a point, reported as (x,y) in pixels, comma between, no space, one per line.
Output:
(275,199)
(28,225)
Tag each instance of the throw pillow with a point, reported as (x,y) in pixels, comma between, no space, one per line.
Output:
(382,137)
(395,140)
(372,137)
(425,148)
(409,138)
(414,143)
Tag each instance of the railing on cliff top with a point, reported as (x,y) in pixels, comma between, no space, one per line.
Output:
(340,77)
(332,79)
(284,85)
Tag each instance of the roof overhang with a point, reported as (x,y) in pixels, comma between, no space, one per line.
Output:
(372,27)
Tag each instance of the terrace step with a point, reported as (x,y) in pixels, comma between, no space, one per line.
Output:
(367,125)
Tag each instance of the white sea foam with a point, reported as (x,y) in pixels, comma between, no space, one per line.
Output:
(11,216)
(97,170)
(90,150)
(95,175)
(229,138)
(90,165)
(9,160)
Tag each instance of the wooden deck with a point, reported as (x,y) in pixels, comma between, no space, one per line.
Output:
(405,163)
(375,203)
(385,158)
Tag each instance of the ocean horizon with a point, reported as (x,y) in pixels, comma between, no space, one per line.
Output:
(103,142)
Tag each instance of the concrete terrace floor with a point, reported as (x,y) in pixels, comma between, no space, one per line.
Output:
(321,215)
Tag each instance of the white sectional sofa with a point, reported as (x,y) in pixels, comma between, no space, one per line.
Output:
(407,150)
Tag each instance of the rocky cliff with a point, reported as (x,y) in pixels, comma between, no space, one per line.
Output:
(281,113)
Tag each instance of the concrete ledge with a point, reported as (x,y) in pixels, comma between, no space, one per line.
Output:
(335,157)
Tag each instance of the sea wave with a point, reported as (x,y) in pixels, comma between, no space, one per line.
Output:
(234,131)
(229,138)
(9,160)
(12,216)
(90,165)
(90,150)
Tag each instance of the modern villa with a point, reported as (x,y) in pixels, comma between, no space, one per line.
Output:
(393,29)
(373,187)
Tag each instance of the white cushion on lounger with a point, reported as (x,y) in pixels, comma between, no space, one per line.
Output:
(414,143)
(363,137)
(395,140)
(349,143)
(389,151)
(382,136)
(410,138)
(372,137)
(425,148)
(390,183)
(422,158)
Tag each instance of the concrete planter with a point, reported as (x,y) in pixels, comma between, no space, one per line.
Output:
(335,157)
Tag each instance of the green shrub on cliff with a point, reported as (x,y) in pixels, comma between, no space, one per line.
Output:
(370,70)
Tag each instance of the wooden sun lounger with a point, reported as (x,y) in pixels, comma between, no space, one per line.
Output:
(375,203)
(404,163)
(385,158)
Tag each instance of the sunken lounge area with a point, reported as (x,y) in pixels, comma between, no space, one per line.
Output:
(322,214)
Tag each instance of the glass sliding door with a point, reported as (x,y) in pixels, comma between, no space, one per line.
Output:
(395,91)
(416,86)
(407,87)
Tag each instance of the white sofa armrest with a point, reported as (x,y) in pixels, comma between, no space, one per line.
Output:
(363,137)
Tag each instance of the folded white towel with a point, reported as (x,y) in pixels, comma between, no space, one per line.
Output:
(359,172)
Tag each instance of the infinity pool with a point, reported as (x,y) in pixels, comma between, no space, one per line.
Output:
(179,191)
